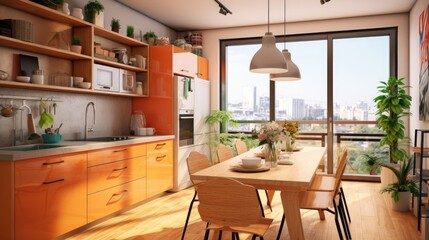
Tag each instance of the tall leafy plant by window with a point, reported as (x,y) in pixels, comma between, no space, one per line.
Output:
(393,103)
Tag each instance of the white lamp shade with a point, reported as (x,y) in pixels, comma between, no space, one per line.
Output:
(268,59)
(293,72)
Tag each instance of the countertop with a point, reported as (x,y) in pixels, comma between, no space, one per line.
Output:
(77,146)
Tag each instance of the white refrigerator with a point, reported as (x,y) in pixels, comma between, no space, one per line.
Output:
(201,129)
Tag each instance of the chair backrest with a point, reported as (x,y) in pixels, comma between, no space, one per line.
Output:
(342,155)
(228,202)
(196,162)
(224,153)
(240,147)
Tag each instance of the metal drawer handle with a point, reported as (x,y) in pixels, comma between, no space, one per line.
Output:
(117,194)
(119,169)
(159,145)
(184,70)
(59,180)
(122,150)
(51,163)
(159,158)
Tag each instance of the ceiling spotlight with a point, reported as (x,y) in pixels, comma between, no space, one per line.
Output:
(324,1)
(223,10)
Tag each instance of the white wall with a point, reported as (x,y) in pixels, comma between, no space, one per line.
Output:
(211,39)
(414,46)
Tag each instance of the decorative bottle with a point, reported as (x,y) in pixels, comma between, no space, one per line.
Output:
(66,9)
(77,13)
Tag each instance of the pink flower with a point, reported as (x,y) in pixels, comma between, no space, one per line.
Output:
(262,137)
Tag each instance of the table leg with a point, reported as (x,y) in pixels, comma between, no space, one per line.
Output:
(290,201)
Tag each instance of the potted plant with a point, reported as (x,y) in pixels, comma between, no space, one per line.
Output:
(114,24)
(393,104)
(367,163)
(130,31)
(76,44)
(94,13)
(401,189)
(150,37)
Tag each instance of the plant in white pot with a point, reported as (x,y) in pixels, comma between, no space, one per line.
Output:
(402,189)
(94,13)
(76,44)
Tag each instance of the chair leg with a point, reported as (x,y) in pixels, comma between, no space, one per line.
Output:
(206,235)
(343,216)
(282,223)
(189,214)
(220,235)
(345,203)
(268,200)
(260,203)
(237,236)
(340,234)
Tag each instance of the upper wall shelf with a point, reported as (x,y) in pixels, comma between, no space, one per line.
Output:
(45,12)
(99,31)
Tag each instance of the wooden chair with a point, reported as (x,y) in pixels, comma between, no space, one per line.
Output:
(196,162)
(240,147)
(224,153)
(324,200)
(326,182)
(228,205)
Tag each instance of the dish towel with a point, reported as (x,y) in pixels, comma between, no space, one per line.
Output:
(186,86)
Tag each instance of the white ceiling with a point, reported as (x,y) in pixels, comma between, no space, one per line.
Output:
(204,14)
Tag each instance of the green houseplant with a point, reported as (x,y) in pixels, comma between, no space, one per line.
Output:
(130,31)
(393,104)
(47,121)
(150,37)
(91,10)
(115,25)
(404,186)
(76,44)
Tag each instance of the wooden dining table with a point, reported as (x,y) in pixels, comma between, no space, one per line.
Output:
(291,180)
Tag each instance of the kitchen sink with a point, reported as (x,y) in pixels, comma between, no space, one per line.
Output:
(30,147)
(106,139)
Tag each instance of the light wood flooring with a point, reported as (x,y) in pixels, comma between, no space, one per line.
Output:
(163,218)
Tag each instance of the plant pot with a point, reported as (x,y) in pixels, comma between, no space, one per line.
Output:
(99,19)
(403,204)
(151,41)
(76,48)
(115,30)
(130,35)
(51,138)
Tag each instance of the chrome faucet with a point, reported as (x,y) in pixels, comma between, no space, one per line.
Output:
(87,130)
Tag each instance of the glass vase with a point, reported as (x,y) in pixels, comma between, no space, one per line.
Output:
(289,144)
(271,155)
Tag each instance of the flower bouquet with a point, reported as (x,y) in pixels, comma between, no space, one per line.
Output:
(269,135)
(291,131)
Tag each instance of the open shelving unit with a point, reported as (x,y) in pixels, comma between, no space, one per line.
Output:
(81,64)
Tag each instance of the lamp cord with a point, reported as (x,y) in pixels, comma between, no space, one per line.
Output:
(268,15)
(284,21)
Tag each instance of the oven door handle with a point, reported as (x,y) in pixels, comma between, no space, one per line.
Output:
(186,117)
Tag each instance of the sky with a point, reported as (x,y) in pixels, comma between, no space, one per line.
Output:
(359,65)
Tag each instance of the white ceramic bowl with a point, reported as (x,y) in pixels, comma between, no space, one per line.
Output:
(85,85)
(77,81)
(251,162)
(25,79)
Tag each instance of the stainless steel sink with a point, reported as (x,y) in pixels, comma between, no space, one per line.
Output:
(30,147)
(106,139)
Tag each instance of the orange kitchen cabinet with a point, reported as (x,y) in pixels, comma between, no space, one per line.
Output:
(116,173)
(6,200)
(111,200)
(50,196)
(203,68)
(98,157)
(159,167)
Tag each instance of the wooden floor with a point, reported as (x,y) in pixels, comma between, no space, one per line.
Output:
(163,218)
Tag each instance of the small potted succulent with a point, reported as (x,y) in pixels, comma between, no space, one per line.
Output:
(130,31)
(150,37)
(114,24)
(94,12)
(76,44)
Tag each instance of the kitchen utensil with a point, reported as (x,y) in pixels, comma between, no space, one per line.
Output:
(57,131)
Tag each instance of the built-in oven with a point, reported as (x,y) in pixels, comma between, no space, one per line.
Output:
(186,128)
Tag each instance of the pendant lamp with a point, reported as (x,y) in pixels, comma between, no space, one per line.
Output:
(268,59)
(293,72)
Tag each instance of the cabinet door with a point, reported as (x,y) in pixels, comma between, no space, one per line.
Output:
(203,68)
(185,64)
(115,154)
(201,108)
(159,167)
(113,174)
(50,196)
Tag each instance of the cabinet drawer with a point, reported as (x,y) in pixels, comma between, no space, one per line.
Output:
(50,196)
(115,154)
(114,199)
(161,146)
(112,174)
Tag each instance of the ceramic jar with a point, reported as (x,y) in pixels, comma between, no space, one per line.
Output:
(66,9)
(77,13)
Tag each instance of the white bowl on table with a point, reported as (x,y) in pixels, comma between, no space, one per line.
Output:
(251,162)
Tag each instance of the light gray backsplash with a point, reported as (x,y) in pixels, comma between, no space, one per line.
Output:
(112,115)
